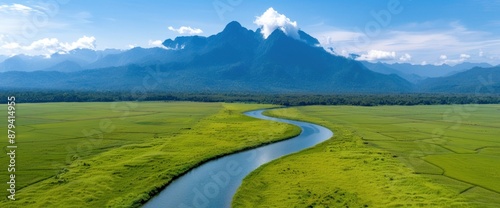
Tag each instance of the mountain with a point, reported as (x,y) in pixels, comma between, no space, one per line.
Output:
(135,55)
(65,66)
(81,57)
(417,73)
(25,63)
(236,59)
(2,58)
(387,69)
(476,80)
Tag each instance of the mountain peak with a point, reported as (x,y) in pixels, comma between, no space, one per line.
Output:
(233,26)
(304,37)
(277,34)
(308,38)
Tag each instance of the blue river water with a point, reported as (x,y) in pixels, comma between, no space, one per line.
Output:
(214,183)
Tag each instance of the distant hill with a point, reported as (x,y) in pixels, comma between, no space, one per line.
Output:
(476,80)
(81,57)
(388,69)
(416,73)
(2,58)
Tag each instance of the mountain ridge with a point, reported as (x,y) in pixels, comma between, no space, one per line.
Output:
(235,59)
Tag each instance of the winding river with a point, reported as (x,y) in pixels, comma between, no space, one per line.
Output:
(214,183)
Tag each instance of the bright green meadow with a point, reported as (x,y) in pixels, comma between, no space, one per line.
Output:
(120,154)
(387,156)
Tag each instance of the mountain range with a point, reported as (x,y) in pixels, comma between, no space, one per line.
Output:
(236,59)
(417,73)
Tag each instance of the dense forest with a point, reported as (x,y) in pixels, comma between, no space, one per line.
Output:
(280,99)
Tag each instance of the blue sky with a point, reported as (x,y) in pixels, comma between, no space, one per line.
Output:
(424,31)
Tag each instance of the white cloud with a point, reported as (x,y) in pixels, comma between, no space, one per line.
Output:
(376,55)
(186,30)
(424,41)
(155,43)
(405,58)
(83,42)
(271,20)
(464,56)
(16,8)
(336,36)
(11,46)
(48,46)
(445,60)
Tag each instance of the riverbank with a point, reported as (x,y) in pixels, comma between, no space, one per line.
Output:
(372,161)
(145,146)
(213,184)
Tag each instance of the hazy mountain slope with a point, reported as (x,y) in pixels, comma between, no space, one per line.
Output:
(476,80)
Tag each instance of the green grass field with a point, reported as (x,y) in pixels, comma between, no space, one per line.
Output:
(120,154)
(388,156)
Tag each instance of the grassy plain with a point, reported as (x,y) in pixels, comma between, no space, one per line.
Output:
(120,154)
(387,156)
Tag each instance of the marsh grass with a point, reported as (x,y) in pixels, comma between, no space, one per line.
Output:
(387,156)
(148,146)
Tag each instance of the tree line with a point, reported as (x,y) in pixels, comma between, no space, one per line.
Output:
(279,99)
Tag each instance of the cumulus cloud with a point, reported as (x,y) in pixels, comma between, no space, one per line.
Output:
(155,43)
(186,30)
(83,42)
(464,56)
(461,58)
(424,41)
(272,20)
(11,46)
(48,46)
(405,58)
(376,55)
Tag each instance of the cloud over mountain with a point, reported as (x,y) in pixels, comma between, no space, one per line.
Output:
(405,58)
(376,55)
(444,59)
(271,20)
(48,46)
(186,30)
